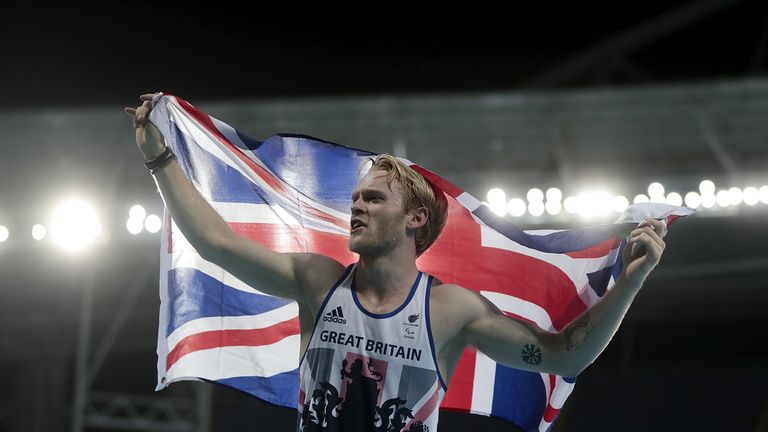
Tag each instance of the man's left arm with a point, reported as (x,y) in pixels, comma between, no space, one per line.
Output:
(519,345)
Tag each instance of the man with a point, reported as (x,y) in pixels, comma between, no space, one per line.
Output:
(379,344)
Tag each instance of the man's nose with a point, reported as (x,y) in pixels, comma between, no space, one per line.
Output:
(357,207)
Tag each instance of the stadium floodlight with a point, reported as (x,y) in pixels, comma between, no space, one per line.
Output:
(707,187)
(751,196)
(553,207)
(598,203)
(3,234)
(134,225)
(153,223)
(656,192)
(571,204)
(708,200)
(674,198)
(763,192)
(75,225)
(641,198)
(620,203)
(535,195)
(516,207)
(497,201)
(554,194)
(536,208)
(692,200)
(735,195)
(723,198)
(39,232)
(137,212)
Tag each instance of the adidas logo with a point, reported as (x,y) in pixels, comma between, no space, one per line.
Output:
(336,316)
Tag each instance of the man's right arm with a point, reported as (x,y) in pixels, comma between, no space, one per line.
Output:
(291,275)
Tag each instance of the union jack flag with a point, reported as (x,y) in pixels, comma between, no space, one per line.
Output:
(292,194)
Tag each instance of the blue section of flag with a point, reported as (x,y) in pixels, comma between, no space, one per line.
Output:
(193,294)
(519,396)
(281,389)
(599,280)
(222,183)
(334,169)
(557,242)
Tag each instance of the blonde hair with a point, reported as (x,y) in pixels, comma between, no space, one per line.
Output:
(417,192)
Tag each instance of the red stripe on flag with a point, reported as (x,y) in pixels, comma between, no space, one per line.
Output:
(598,250)
(225,338)
(550,413)
(275,183)
(284,238)
(459,395)
(458,257)
(438,181)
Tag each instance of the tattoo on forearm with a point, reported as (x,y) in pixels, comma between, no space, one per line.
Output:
(577,332)
(531,354)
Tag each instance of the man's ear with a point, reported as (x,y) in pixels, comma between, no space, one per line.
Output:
(417,218)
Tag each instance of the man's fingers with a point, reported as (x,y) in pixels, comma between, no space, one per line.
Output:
(130,111)
(147,97)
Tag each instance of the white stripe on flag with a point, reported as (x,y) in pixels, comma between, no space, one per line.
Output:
(482,385)
(266,214)
(248,322)
(469,202)
(185,256)
(238,361)
(562,390)
(523,308)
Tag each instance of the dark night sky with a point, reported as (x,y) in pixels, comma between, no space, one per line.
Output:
(106,53)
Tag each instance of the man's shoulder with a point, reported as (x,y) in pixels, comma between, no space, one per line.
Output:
(452,298)
(318,274)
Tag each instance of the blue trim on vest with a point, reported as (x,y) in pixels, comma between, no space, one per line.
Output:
(429,334)
(389,314)
(322,308)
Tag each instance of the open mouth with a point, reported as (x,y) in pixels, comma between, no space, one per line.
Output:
(356,225)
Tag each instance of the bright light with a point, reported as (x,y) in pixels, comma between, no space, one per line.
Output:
(674,198)
(38,232)
(75,225)
(692,200)
(723,198)
(536,208)
(595,203)
(535,195)
(735,195)
(153,223)
(708,200)
(554,194)
(656,192)
(134,226)
(497,201)
(516,207)
(495,195)
(764,194)
(641,198)
(3,234)
(553,207)
(620,203)
(751,196)
(571,205)
(137,212)
(706,187)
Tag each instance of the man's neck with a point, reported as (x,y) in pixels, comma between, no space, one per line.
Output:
(385,276)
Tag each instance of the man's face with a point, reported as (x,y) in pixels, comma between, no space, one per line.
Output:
(378,221)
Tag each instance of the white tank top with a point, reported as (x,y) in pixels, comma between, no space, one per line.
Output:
(370,372)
